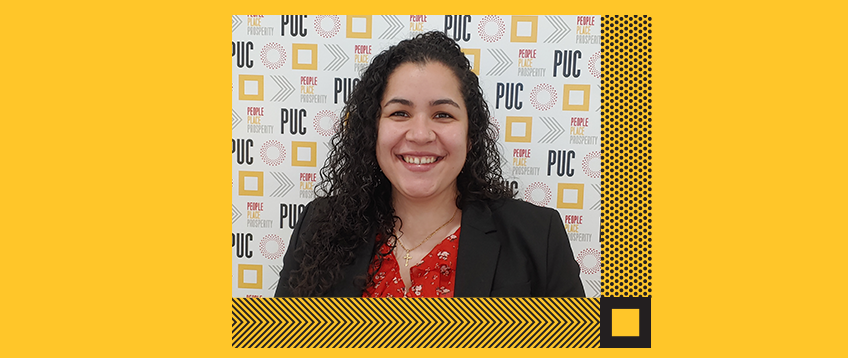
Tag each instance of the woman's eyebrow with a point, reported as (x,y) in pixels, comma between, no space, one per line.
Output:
(402,101)
(444,101)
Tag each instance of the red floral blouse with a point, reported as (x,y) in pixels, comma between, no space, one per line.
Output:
(433,276)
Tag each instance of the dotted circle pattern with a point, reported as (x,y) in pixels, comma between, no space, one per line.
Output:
(337,25)
(263,152)
(481,28)
(528,193)
(594,174)
(263,247)
(627,132)
(594,61)
(581,260)
(552,93)
(280,51)
(316,122)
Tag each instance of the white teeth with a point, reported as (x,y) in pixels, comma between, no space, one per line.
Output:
(419,160)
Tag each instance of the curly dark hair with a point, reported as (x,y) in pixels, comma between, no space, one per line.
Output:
(359,194)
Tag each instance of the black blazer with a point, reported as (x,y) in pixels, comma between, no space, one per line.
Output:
(507,248)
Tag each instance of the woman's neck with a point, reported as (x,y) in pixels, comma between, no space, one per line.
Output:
(419,216)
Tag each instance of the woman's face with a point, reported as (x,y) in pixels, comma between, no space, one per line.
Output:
(422,138)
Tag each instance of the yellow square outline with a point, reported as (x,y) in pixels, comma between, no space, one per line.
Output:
(565,95)
(580,189)
(508,137)
(242,268)
(260,185)
(475,67)
(358,35)
(624,322)
(303,163)
(513,35)
(311,66)
(260,96)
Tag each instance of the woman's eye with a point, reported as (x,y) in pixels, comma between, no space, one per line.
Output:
(399,114)
(443,115)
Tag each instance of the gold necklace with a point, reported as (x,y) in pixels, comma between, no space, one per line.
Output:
(407,257)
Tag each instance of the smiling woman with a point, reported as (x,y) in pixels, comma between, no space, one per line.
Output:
(412,199)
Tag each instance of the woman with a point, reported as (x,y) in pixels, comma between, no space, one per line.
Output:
(412,199)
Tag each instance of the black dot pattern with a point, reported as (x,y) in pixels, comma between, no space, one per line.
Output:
(626,132)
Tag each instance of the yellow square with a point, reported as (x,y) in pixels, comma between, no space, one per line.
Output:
(359,34)
(566,97)
(297,160)
(259,183)
(260,95)
(475,65)
(625,322)
(562,204)
(534,26)
(296,60)
(241,276)
(515,136)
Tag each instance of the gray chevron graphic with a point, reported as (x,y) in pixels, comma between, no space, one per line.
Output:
(503,62)
(286,88)
(236,214)
(597,205)
(339,57)
(236,22)
(236,119)
(276,270)
(394,27)
(561,29)
(286,185)
(593,284)
(601,90)
(555,130)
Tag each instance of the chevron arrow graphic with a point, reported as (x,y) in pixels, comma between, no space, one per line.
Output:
(594,285)
(236,22)
(420,323)
(236,119)
(560,29)
(597,205)
(286,88)
(339,57)
(236,214)
(285,184)
(503,62)
(394,27)
(555,130)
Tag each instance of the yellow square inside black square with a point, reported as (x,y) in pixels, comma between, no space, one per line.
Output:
(625,322)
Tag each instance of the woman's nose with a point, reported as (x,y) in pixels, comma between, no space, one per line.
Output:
(420,130)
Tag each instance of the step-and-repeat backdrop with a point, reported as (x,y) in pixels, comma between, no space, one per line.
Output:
(541,76)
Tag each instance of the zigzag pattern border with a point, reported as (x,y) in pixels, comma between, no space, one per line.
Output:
(416,323)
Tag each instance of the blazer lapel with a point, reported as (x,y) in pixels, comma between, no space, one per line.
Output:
(477,252)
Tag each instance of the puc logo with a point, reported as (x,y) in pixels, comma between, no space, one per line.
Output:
(578,132)
(572,226)
(361,57)
(307,90)
(307,182)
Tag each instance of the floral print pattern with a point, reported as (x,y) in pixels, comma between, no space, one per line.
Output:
(433,276)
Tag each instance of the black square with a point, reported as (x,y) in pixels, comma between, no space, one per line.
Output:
(644,306)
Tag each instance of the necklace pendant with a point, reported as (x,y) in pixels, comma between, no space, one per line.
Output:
(407,257)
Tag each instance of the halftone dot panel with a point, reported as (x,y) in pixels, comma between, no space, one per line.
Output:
(626,181)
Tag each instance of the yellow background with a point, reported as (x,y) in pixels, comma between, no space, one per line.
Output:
(116,126)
